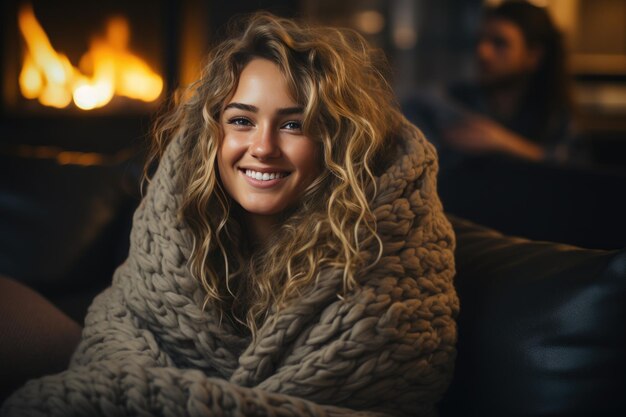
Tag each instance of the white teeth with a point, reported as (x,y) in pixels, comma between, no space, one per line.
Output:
(264,176)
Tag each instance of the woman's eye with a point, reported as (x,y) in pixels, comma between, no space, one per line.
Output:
(293,125)
(239,121)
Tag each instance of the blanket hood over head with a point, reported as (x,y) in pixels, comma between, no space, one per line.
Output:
(387,347)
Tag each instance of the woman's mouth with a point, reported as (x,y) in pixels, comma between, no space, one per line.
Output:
(264,176)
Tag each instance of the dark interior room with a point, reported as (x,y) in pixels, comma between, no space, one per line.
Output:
(540,241)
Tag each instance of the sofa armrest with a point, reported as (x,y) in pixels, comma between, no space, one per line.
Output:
(36,338)
(541,328)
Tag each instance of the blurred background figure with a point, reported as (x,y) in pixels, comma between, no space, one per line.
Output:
(519,101)
(531,140)
(522,96)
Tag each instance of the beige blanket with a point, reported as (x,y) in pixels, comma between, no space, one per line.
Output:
(148,348)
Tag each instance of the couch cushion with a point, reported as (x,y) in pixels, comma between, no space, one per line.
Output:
(541,328)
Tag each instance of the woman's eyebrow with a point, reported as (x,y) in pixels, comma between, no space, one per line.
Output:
(290,110)
(241,106)
(254,109)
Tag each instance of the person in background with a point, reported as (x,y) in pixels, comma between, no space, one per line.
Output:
(521,104)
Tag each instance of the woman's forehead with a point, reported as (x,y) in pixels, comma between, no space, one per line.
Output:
(263,84)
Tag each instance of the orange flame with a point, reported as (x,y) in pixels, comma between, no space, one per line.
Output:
(114,70)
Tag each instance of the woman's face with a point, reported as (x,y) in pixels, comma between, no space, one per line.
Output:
(503,54)
(265,161)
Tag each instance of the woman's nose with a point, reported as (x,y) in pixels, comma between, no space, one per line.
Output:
(265,143)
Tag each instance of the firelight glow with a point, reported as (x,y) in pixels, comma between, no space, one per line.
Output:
(108,68)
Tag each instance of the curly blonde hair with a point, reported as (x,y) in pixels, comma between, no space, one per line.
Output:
(349,109)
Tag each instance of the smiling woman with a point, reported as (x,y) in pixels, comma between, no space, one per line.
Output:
(291,256)
(266,161)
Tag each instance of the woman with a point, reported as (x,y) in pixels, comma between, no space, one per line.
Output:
(290,257)
(522,102)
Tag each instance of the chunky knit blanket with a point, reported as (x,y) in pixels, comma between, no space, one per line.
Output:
(385,348)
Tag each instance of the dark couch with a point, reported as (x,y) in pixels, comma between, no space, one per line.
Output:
(541,329)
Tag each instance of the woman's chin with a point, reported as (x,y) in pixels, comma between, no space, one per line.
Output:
(263,210)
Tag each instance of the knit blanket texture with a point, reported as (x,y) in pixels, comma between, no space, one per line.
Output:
(385,348)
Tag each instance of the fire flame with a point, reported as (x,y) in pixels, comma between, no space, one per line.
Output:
(113,69)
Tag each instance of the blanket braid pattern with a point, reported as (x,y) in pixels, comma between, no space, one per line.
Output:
(385,348)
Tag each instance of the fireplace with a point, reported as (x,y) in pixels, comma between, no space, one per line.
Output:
(108,69)
(70,169)
(84,75)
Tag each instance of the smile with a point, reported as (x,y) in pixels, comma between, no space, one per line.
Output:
(264,176)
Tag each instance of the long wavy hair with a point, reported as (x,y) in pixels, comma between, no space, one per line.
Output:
(349,109)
